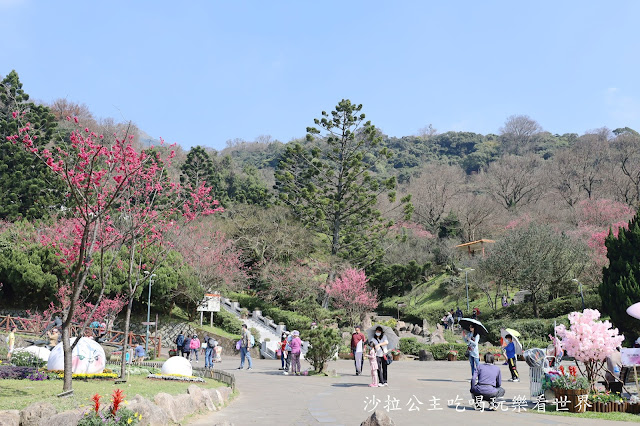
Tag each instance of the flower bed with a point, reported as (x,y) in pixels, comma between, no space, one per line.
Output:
(176,377)
(105,375)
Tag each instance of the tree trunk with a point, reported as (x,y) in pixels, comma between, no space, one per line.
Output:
(68,365)
(123,362)
(534,302)
(330,278)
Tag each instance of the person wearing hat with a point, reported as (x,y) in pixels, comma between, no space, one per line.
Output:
(296,349)
(53,337)
(195,347)
(245,348)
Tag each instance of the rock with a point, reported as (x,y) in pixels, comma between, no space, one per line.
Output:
(184,406)
(425,325)
(366,322)
(417,330)
(425,355)
(346,337)
(439,328)
(32,415)
(201,398)
(66,418)
(177,365)
(425,332)
(216,397)
(167,405)
(378,418)
(226,393)
(10,418)
(402,326)
(152,415)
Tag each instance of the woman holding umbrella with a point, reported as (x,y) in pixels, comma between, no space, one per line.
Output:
(380,343)
(472,339)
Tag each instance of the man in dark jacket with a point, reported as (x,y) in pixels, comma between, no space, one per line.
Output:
(486,382)
(357,347)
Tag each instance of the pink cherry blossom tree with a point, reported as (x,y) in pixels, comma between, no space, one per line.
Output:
(589,341)
(350,292)
(118,197)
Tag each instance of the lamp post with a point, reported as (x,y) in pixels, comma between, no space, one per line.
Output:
(466,283)
(581,294)
(146,343)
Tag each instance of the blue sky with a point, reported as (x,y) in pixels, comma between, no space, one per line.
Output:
(203,72)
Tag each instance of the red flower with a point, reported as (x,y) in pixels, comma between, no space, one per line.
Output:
(562,370)
(96,402)
(116,398)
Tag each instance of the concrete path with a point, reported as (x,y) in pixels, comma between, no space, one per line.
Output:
(267,397)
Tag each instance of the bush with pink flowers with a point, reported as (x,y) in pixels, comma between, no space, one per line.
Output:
(589,341)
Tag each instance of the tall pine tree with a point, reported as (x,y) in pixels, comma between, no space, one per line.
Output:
(330,185)
(27,188)
(620,286)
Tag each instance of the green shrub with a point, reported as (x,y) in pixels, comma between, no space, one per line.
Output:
(439,350)
(553,309)
(528,328)
(255,333)
(25,359)
(410,346)
(324,343)
(228,322)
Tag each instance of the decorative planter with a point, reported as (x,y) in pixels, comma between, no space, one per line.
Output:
(396,357)
(572,398)
(633,408)
(173,352)
(609,407)
(452,357)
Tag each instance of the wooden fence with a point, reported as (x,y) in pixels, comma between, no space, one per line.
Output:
(111,337)
(221,376)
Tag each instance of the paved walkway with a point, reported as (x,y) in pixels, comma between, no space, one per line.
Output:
(267,397)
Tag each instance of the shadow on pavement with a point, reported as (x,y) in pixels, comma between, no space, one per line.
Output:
(350,385)
(443,380)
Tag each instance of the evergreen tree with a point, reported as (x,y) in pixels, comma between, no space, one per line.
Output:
(620,288)
(27,187)
(329,184)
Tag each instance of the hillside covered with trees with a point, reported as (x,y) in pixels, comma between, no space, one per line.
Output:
(300,215)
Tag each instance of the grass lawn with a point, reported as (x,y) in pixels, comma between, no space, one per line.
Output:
(216,330)
(18,394)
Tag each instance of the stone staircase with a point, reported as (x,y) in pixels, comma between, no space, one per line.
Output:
(267,328)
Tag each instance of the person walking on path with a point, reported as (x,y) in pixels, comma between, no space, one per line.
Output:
(245,348)
(373,363)
(486,383)
(11,341)
(186,347)
(357,341)
(458,315)
(510,350)
(283,351)
(195,347)
(179,343)
(472,339)
(296,348)
(287,365)
(450,320)
(380,343)
(211,344)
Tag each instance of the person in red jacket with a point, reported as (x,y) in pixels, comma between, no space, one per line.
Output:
(357,346)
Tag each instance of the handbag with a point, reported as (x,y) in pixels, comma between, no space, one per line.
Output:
(388,359)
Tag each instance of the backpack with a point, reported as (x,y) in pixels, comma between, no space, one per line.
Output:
(180,340)
(211,343)
(252,340)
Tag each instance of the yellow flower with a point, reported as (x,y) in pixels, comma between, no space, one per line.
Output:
(130,420)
